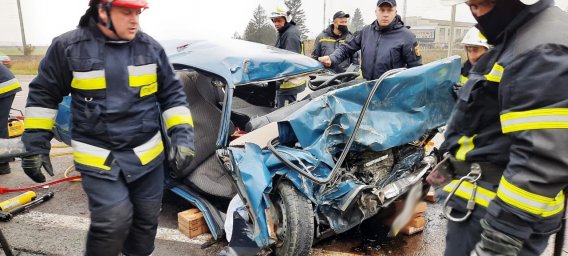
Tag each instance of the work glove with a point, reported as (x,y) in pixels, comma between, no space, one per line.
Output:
(494,242)
(180,158)
(32,167)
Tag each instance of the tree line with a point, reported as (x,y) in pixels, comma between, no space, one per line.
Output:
(260,28)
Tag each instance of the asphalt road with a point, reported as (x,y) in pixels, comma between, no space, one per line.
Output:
(59,226)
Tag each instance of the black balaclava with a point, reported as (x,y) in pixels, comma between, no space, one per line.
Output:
(493,24)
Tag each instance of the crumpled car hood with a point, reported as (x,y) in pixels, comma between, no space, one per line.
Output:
(406,106)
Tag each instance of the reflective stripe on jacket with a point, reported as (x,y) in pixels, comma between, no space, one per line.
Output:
(9,85)
(513,112)
(117,90)
(327,42)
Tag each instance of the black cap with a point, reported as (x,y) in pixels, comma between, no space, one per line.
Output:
(340,14)
(391,2)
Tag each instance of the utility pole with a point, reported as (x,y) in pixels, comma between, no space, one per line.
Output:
(22,28)
(452,28)
(404,11)
(324,9)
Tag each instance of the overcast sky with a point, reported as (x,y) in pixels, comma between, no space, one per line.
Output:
(191,19)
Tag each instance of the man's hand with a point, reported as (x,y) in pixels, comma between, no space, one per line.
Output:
(180,158)
(325,60)
(32,167)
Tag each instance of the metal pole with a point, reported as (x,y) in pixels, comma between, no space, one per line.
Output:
(404,11)
(22,26)
(324,9)
(452,28)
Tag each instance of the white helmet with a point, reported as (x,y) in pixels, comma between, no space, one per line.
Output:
(474,38)
(453,2)
(281,11)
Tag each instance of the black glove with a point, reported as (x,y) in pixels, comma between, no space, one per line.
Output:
(180,158)
(32,167)
(494,242)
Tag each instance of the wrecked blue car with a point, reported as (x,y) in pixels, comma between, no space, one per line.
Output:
(318,167)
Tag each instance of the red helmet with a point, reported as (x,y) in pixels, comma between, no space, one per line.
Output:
(123,3)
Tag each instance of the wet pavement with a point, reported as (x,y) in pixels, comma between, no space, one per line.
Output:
(59,226)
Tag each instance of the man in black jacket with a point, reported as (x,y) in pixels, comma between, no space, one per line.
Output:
(333,36)
(289,38)
(385,44)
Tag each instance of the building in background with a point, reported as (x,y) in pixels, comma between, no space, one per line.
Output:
(435,34)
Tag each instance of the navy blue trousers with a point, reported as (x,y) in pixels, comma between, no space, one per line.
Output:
(124,216)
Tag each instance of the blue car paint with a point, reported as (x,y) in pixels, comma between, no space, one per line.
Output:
(240,62)
(405,107)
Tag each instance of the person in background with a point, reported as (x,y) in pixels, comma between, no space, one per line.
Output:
(289,38)
(9,86)
(475,45)
(385,44)
(330,39)
(117,77)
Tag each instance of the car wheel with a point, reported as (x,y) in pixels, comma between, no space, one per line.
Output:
(294,221)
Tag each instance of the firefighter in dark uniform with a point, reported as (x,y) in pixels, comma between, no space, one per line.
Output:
(117,77)
(9,86)
(475,45)
(330,39)
(508,133)
(289,38)
(385,44)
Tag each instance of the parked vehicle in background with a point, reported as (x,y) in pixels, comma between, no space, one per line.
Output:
(6,60)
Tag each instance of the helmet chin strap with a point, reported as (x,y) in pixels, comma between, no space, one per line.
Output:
(109,24)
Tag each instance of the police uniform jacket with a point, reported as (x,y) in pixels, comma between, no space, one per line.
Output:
(513,113)
(118,89)
(382,49)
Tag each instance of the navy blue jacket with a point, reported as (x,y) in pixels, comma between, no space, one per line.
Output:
(327,42)
(382,49)
(512,112)
(116,88)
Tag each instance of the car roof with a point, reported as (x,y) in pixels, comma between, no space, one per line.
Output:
(240,62)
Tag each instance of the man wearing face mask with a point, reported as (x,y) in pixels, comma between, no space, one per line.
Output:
(336,34)
(117,77)
(385,44)
(507,134)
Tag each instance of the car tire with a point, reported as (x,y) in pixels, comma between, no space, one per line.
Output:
(294,221)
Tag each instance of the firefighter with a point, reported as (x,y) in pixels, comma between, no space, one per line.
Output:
(117,77)
(385,44)
(289,38)
(330,39)
(9,86)
(475,45)
(508,131)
